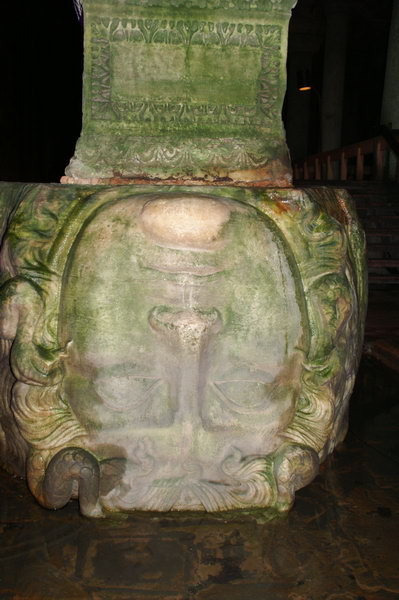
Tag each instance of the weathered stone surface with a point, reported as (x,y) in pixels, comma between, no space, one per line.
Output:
(178,347)
(338,541)
(185,91)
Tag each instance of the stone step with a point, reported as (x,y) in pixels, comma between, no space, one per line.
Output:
(382,231)
(383,262)
(386,279)
(385,351)
(379,247)
(383,210)
(367,219)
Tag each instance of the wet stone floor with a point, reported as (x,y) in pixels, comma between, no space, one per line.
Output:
(339,542)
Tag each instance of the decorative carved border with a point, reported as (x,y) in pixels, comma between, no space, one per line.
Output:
(138,153)
(104,31)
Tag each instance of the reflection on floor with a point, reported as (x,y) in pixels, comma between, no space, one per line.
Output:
(338,543)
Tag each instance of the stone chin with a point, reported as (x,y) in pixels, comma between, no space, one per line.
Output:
(237,483)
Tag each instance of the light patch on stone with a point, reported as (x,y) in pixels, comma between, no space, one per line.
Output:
(187,222)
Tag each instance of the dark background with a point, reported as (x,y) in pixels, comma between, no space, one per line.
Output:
(40,94)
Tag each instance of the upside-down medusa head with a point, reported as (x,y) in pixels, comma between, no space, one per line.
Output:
(170,351)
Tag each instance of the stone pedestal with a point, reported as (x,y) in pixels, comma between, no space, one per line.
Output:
(184,91)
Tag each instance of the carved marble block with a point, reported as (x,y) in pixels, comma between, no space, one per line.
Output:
(184,91)
(175,348)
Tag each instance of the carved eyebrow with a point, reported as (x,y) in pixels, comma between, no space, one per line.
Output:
(196,270)
(247,375)
(122,369)
(237,405)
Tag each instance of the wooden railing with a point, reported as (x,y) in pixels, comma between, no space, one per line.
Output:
(375,159)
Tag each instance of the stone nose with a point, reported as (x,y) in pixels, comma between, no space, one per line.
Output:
(185,221)
(188,333)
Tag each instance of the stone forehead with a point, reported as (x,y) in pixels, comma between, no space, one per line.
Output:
(180,221)
(191,220)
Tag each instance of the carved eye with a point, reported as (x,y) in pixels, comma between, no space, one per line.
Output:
(243,395)
(244,390)
(126,391)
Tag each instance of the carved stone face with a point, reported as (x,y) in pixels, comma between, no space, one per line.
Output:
(186,337)
(172,348)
